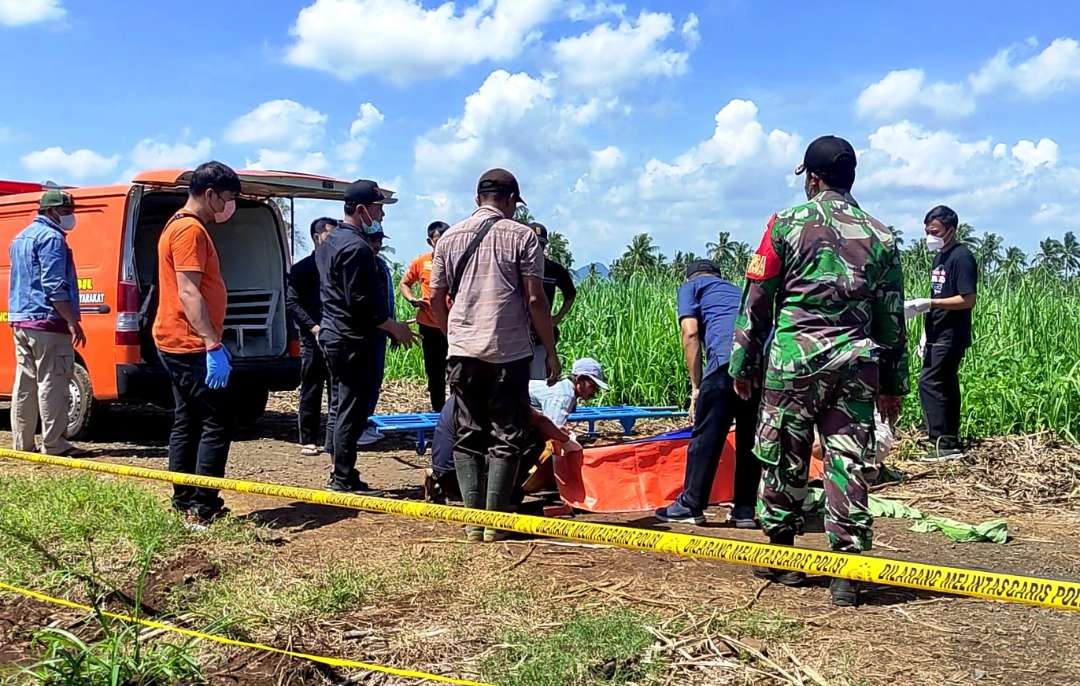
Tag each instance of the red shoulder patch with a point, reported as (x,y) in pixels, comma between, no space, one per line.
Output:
(765,263)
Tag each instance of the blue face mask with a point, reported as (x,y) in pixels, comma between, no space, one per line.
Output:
(376,227)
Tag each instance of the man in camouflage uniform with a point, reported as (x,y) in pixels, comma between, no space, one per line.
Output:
(827,278)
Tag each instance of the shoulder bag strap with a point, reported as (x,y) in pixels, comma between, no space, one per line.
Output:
(467,256)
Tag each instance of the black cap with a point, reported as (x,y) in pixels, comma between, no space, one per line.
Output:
(832,158)
(541,232)
(499,181)
(365,192)
(436,227)
(702,267)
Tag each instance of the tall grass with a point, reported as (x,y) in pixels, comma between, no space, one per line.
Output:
(1021,375)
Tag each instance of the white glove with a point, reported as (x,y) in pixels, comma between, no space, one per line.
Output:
(916,306)
(921,349)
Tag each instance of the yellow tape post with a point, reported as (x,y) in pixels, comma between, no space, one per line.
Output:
(1053,593)
(225,640)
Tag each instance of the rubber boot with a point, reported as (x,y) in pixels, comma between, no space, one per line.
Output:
(502,475)
(470,478)
(780,576)
(844,592)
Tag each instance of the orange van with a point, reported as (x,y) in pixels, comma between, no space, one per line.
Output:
(115,249)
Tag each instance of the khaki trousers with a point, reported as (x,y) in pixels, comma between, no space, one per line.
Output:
(45,362)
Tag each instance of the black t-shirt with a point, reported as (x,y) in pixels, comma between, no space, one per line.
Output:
(557,277)
(954,273)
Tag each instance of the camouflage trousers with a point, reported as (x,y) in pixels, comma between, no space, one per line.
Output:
(840,404)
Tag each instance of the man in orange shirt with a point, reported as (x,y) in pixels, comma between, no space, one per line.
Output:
(187,332)
(433,339)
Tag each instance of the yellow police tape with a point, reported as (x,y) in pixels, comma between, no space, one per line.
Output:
(331,661)
(1058,594)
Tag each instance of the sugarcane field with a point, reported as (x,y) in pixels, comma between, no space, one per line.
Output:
(539,343)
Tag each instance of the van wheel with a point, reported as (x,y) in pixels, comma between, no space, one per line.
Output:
(250,405)
(82,406)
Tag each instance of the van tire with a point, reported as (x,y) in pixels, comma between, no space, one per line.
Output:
(250,405)
(82,407)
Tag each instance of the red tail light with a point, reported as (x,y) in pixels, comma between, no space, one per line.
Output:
(127,313)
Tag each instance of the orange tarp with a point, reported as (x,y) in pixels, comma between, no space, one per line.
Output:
(640,476)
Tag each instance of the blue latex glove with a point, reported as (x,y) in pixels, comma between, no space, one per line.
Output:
(218,367)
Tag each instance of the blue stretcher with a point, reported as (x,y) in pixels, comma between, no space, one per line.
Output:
(424,423)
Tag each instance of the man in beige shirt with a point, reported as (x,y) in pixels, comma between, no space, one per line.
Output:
(492,269)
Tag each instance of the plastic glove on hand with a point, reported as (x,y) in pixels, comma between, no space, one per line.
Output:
(916,306)
(218,367)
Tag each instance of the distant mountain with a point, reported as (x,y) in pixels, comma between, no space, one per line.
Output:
(582,273)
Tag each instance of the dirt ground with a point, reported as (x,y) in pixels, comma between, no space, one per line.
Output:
(897,637)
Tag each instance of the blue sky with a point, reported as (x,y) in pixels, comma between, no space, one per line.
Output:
(681,119)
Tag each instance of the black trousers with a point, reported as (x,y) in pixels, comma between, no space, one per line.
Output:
(492,432)
(352,368)
(314,377)
(717,407)
(434,345)
(939,392)
(203,423)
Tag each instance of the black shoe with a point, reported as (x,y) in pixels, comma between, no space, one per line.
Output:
(781,576)
(355,485)
(677,513)
(845,593)
(945,448)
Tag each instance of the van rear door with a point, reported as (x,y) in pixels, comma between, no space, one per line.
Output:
(265,184)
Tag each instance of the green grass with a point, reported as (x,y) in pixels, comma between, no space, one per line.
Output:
(768,626)
(85,524)
(1021,376)
(608,648)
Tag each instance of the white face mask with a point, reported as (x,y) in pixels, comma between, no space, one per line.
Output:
(935,243)
(67,222)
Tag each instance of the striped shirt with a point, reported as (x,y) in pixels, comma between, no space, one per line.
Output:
(490,320)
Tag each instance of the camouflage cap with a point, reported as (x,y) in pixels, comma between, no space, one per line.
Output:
(54,197)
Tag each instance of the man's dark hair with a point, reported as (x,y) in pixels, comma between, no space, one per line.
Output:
(437,228)
(321,224)
(943,214)
(215,175)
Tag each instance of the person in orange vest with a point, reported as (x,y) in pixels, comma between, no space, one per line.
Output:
(433,340)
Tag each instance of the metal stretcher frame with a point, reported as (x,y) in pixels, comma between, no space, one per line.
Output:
(627,415)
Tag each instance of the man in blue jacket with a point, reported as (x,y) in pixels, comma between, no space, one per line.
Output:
(43,308)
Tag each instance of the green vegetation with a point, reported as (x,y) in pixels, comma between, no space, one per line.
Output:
(55,528)
(768,626)
(609,648)
(1022,375)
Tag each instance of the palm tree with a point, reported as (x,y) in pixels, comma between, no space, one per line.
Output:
(1070,253)
(740,258)
(558,249)
(964,232)
(523,215)
(988,252)
(680,262)
(1014,262)
(898,235)
(1051,255)
(642,255)
(722,250)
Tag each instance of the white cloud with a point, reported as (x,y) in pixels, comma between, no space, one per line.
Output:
(904,154)
(77,165)
(691,31)
(23,12)
(738,139)
(289,160)
(280,123)
(402,41)
(580,11)
(152,154)
(499,126)
(350,152)
(1048,213)
(1000,151)
(610,57)
(1054,69)
(606,160)
(904,90)
(1031,156)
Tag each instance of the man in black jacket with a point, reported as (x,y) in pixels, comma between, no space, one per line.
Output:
(354,308)
(305,307)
